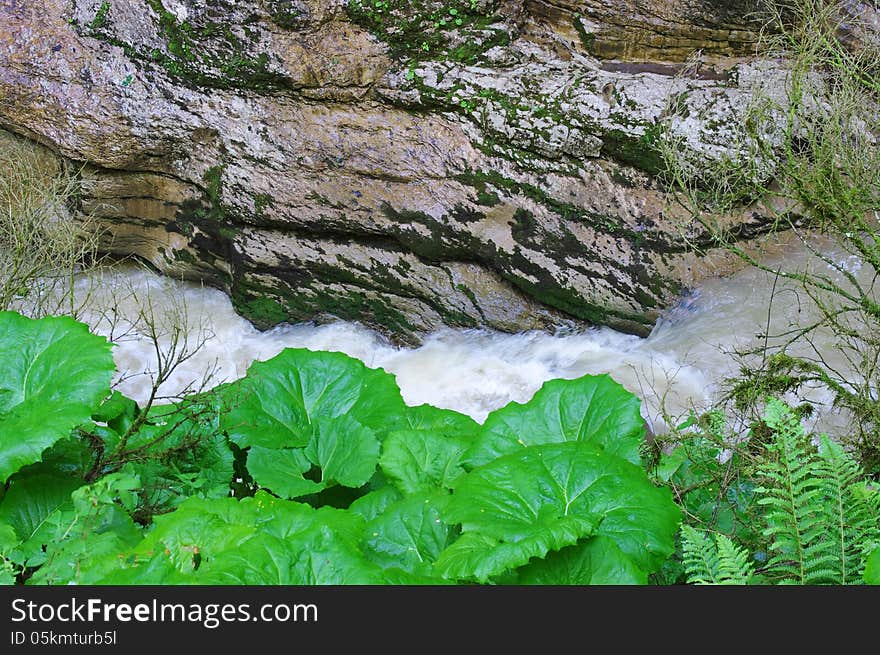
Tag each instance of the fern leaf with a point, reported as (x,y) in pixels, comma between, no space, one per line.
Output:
(789,495)
(719,563)
(838,473)
(734,564)
(819,514)
(822,516)
(700,556)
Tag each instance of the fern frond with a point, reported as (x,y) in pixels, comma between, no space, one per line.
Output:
(700,556)
(718,563)
(819,514)
(845,532)
(822,516)
(791,494)
(734,564)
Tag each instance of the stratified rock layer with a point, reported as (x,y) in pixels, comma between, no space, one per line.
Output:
(412,165)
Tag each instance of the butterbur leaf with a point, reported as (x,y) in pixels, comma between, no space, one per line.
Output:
(86,545)
(317,556)
(409,535)
(72,542)
(198,530)
(83,561)
(593,409)
(281,471)
(286,519)
(375,503)
(117,411)
(596,561)
(477,557)
(400,577)
(872,568)
(8,538)
(547,497)
(346,451)
(31,500)
(275,405)
(259,540)
(55,374)
(321,557)
(71,457)
(133,569)
(481,557)
(443,421)
(413,461)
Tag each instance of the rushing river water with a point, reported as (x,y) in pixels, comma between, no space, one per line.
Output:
(682,364)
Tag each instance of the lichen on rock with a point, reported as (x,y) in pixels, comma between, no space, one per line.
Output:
(405,164)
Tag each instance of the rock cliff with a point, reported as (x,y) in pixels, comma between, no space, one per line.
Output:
(405,163)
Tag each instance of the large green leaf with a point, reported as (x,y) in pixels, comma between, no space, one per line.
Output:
(445,421)
(72,542)
(375,503)
(409,535)
(545,498)
(83,560)
(597,561)
(317,556)
(414,461)
(275,405)
(872,567)
(86,543)
(592,409)
(259,540)
(281,471)
(54,375)
(72,456)
(31,500)
(346,451)
(198,530)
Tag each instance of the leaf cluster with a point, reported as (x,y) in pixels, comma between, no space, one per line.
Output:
(313,470)
(821,516)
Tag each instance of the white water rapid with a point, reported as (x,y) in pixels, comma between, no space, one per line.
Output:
(682,364)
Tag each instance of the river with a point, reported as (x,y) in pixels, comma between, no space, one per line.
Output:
(682,365)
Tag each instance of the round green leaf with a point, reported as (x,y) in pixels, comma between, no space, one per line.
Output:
(275,405)
(54,375)
(258,540)
(281,471)
(317,556)
(409,535)
(444,421)
(375,503)
(414,461)
(547,497)
(346,451)
(597,561)
(33,499)
(592,409)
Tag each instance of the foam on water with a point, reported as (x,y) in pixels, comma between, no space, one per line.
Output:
(680,365)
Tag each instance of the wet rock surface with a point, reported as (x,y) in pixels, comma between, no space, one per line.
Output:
(412,165)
